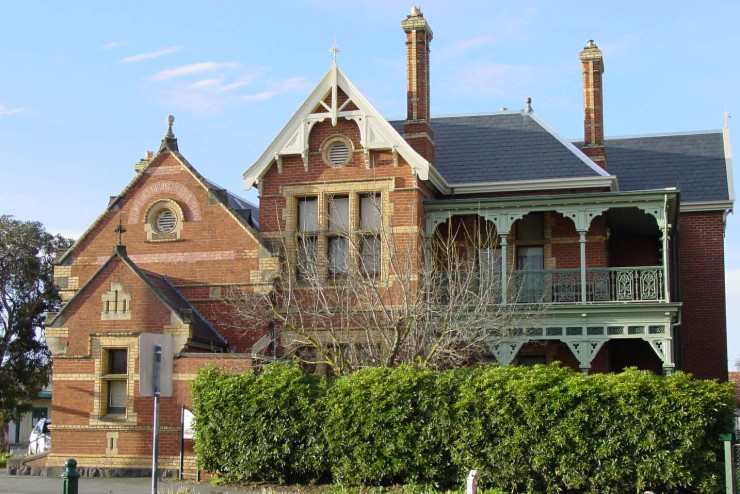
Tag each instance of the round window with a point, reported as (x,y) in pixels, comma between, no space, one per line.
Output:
(166,220)
(338,153)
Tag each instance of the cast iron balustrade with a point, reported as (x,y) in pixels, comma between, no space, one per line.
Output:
(563,286)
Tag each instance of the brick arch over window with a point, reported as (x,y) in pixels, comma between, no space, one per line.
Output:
(175,190)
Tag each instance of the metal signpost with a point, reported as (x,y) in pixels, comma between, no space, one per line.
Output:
(155,379)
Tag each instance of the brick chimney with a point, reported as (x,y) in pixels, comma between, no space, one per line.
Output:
(592,64)
(417,128)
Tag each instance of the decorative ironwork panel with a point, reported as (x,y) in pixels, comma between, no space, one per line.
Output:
(624,285)
(534,332)
(636,330)
(656,329)
(599,285)
(566,287)
(554,332)
(651,284)
(594,331)
(573,331)
(614,330)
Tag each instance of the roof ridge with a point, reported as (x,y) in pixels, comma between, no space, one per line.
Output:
(461,115)
(657,134)
(166,279)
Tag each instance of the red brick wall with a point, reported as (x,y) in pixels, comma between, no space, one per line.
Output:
(83,315)
(73,400)
(214,247)
(565,241)
(702,277)
(629,249)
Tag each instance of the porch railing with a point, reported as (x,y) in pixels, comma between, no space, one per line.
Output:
(563,286)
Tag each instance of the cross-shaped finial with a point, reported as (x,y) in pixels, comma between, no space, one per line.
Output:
(120,230)
(726,115)
(334,50)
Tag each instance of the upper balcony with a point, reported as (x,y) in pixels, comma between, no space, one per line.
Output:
(592,267)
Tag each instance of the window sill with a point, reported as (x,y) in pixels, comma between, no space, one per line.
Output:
(114,417)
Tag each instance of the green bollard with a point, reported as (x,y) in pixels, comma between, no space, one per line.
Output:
(70,477)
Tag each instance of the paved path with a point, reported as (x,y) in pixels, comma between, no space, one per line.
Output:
(49,485)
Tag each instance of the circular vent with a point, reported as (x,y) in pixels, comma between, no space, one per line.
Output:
(338,153)
(166,221)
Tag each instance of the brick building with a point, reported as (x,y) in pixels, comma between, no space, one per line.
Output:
(623,237)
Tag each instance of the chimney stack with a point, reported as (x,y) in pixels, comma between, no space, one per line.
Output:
(417,127)
(592,64)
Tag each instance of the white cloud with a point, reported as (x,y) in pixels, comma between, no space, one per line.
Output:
(10,111)
(151,54)
(194,68)
(114,44)
(261,96)
(214,94)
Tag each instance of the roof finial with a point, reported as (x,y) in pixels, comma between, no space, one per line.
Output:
(726,115)
(334,50)
(528,109)
(170,120)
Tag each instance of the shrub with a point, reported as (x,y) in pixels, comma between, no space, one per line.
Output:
(538,429)
(265,427)
(387,426)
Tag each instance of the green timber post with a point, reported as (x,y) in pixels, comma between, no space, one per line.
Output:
(70,476)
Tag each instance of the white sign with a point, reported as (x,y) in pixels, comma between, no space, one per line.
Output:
(187,424)
(147,344)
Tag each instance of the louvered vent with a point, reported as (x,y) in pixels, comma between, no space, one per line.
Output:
(166,221)
(338,154)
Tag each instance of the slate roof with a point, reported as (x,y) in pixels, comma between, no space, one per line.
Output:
(693,162)
(203,332)
(245,209)
(501,147)
(161,287)
(509,146)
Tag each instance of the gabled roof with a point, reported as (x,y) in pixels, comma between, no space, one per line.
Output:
(202,331)
(698,163)
(507,146)
(375,131)
(245,213)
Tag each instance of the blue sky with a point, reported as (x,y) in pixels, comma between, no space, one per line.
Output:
(86,86)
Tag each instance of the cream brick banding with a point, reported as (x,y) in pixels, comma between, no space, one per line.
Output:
(172,189)
(177,257)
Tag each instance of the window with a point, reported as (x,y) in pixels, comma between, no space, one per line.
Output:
(308,225)
(336,151)
(116,380)
(164,221)
(371,221)
(338,236)
(531,257)
(530,240)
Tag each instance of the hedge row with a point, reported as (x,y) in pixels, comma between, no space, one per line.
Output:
(538,429)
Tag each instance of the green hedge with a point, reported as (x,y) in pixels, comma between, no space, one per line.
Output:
(539,429)
(266,427)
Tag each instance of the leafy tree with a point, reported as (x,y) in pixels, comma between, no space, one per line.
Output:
(27,293)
